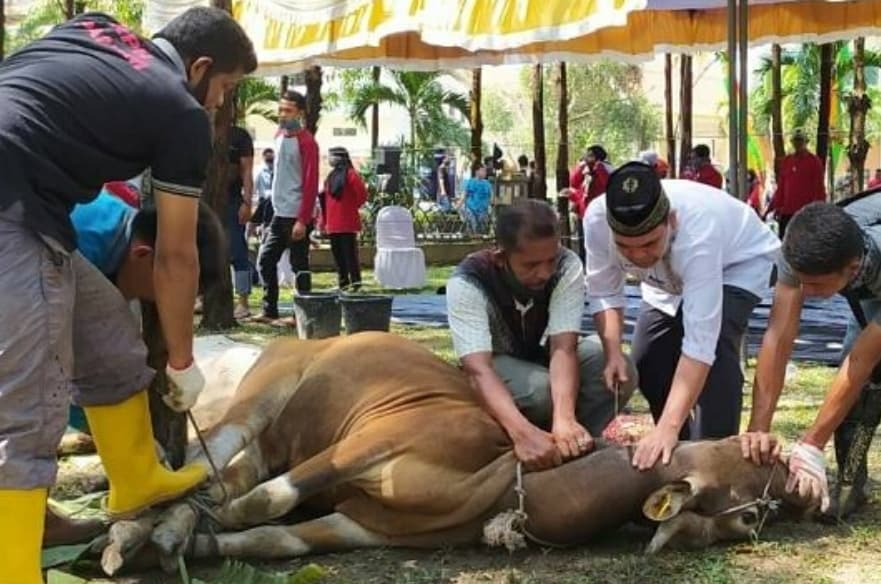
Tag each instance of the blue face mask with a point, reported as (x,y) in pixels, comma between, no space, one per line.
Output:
(290,125)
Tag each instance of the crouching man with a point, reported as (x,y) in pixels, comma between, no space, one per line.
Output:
(515,315)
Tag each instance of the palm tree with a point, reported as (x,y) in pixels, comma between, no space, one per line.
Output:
(2,29)
(686,111)
(827,54)
(374,119)
(256,97)
(313,98)
(424,98)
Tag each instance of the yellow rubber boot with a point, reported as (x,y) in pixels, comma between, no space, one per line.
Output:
(21,535)
(124,438)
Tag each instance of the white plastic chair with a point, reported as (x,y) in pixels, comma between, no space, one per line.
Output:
(398,262)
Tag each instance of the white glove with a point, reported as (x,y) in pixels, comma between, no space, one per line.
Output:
(807,474)
(184,387)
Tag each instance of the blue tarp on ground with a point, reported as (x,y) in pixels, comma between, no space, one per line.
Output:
(823,322)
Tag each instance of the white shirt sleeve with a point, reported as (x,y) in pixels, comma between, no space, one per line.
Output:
(604,275)
(468,316)
(567,300)
(702,298)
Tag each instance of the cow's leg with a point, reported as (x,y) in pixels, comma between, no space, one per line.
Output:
(332,533)
(277,497)
(175,527)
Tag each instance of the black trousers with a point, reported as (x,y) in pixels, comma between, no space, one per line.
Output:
(276,240)
(345,253)
(657,345)
(782,224)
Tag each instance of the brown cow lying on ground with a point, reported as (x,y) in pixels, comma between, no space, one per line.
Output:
(387,442)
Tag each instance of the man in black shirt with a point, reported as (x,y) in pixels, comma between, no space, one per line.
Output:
(238,213)
(88,104)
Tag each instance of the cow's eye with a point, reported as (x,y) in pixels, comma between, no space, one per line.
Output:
(749,517)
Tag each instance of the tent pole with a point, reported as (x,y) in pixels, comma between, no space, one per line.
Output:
(733,149)
(743,100)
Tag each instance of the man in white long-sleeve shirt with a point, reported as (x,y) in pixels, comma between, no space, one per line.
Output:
(704,260)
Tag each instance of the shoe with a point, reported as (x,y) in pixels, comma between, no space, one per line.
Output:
(21,535)
(124,437)
(241,310)
(198,308)
(63,529)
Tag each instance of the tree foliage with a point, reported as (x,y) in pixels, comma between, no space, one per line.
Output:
(606,106)
(48,13)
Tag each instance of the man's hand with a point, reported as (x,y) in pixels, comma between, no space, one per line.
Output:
(760,447)
(571,438)
(536,449)
(807,474)
(615,372)
(659,443)
(299,231)
(184,387)
(244,213)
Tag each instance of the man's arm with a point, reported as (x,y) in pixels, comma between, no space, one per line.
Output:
(176,273)
(777,343)
(246,164)
(847,385)
(309,166)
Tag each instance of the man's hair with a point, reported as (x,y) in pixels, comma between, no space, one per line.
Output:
(822,239)
(296,98)
(211,32)
(702,150)
(268,151)
(210,242)
(598,152)
(525,220)
(523,160)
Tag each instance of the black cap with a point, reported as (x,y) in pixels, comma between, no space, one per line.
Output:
(635,200)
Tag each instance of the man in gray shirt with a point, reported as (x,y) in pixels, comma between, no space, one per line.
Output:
(828,249)
(294,192)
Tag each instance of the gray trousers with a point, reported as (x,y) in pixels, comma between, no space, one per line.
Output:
(65,332)
(657,345)
(530,386)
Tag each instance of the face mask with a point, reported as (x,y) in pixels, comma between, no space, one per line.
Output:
(290,125)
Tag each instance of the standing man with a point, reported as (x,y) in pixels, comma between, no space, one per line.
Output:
(828,249)
(515,316)
(704,260)
(799,182)
(294,194)
(91,103)
(240,188)
(476,201)
(702,169)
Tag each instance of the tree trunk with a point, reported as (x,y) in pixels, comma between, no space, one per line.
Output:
(283,84)
(669,130)
(858,105)
(686,94)
(540,187)
(826,58)
(69,9)
(563,152)
(476,118)
(777,108)
(217,304)
(2,30)
(313,98)
(374,120)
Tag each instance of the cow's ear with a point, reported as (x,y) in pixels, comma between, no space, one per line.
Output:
(667,501)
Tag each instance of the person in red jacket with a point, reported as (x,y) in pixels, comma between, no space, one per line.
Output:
(702,169)
(799,182)
(582,191)
(344,193)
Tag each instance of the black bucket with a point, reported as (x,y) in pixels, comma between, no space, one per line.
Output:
(318,315)
(366,312)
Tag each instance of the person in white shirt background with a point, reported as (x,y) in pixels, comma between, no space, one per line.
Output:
(515,317)
(704,259)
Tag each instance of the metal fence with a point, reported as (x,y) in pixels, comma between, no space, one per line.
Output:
(434,224)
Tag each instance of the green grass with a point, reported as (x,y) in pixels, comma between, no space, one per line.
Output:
(788,553)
